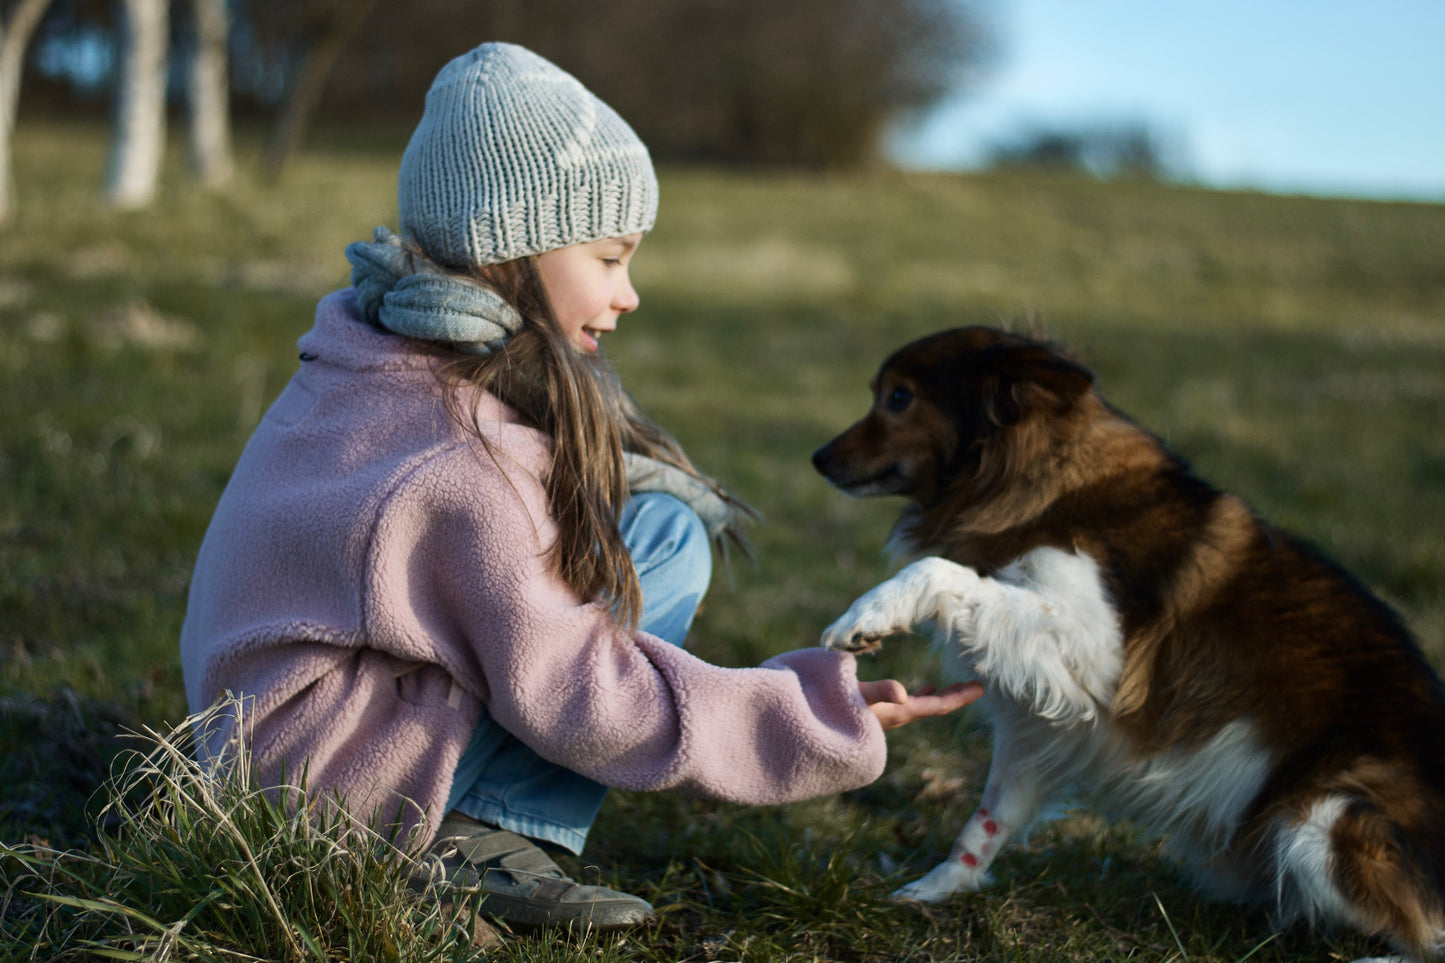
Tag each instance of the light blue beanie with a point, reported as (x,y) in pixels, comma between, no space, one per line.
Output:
(514,157)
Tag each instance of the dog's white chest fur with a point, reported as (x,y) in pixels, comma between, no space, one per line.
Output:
(1055,637)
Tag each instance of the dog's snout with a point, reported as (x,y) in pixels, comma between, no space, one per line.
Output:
(823,458)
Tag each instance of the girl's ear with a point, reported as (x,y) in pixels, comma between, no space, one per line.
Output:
(1033,377)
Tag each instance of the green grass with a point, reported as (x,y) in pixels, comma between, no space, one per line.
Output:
(1293,348)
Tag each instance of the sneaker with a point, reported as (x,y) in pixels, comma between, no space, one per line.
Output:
(520,885)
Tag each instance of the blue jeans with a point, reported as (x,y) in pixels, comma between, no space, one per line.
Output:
(498,779)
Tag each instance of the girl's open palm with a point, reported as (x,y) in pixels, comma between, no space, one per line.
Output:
(895,706)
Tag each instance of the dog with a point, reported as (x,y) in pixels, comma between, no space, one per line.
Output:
(1149,645)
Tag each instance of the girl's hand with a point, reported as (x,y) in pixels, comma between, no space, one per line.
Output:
(895,707)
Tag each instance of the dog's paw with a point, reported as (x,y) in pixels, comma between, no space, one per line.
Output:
(866,624)
(920,593)
(941,882)
(845,640)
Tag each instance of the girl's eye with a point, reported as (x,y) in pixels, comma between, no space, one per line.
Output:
(900,398)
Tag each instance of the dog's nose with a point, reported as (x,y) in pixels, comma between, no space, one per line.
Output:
(822,458)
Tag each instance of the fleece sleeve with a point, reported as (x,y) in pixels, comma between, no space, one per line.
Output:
(461,562)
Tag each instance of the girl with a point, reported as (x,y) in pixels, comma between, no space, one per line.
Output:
(451,575)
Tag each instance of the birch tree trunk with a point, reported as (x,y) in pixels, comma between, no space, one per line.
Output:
(139,136)
(209,95)
(14,39)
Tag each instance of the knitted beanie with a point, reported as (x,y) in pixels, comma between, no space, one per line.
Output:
(514,157)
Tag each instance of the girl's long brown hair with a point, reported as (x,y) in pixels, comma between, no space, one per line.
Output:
(578,401)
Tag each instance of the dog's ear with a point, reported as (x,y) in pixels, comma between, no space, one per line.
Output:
(1034,376)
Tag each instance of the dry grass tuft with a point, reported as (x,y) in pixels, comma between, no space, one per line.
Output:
(195,862)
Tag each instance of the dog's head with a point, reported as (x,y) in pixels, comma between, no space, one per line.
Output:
(948,407)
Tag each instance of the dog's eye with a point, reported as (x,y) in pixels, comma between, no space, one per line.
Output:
(900,398)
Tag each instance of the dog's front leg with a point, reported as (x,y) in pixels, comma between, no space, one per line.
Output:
(1011,800)
(921,592)
(1043,631)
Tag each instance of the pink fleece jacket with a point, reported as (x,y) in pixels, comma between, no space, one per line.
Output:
(372,578)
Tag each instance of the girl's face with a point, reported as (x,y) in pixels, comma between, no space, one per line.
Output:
(588,287)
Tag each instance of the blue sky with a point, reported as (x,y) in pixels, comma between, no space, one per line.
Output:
(1335,97)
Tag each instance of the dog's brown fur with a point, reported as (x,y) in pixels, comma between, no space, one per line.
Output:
(1002,446)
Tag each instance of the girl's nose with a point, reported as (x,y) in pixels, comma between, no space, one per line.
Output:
(625,299)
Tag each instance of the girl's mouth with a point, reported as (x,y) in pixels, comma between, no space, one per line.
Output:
(591,337)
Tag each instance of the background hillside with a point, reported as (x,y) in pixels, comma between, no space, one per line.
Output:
(1292,348)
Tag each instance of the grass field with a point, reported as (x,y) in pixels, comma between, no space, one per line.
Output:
(1292,348)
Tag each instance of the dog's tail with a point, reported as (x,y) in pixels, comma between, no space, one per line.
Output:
(1345,860)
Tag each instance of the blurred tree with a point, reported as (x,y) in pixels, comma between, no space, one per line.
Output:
(314,33)
(15,36)
(79,42)
(807,82)
(795,82)
(1131,149)
(209,94)
(139,134)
